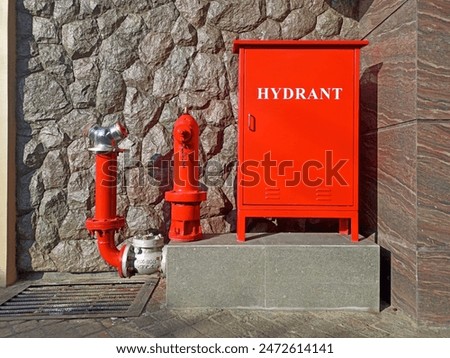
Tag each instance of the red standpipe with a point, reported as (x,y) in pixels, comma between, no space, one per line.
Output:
(186,194)
(105,222)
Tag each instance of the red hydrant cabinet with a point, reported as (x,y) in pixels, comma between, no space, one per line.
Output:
(298,131)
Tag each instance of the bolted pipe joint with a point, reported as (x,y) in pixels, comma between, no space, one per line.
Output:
(106,139)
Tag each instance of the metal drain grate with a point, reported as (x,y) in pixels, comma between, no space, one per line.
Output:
(78,300)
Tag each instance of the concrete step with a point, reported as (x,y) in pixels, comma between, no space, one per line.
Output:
(274,271)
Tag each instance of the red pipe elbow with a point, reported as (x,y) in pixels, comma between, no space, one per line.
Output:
(108,250)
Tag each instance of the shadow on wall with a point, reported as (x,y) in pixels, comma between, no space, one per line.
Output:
(354,9)
(368,173)
(25,172)
(42,162)
(368,150)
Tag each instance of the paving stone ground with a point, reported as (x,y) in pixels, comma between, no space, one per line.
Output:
(159,321)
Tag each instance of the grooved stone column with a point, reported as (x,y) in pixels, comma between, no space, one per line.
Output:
(405,150)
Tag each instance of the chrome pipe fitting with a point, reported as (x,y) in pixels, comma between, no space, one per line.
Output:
(106,139)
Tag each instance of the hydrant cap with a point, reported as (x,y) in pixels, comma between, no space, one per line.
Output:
(183,133)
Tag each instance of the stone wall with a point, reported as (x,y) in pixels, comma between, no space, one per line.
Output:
(81,62)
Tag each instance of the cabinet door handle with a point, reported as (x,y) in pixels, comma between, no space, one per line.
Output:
(251,122)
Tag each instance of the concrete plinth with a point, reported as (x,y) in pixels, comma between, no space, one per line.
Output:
(274,271)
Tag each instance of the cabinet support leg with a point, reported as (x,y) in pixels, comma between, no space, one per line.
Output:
(355,228)
(343,226)
(240,227)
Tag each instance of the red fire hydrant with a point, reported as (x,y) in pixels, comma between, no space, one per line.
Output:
(105,223)
(186,195)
